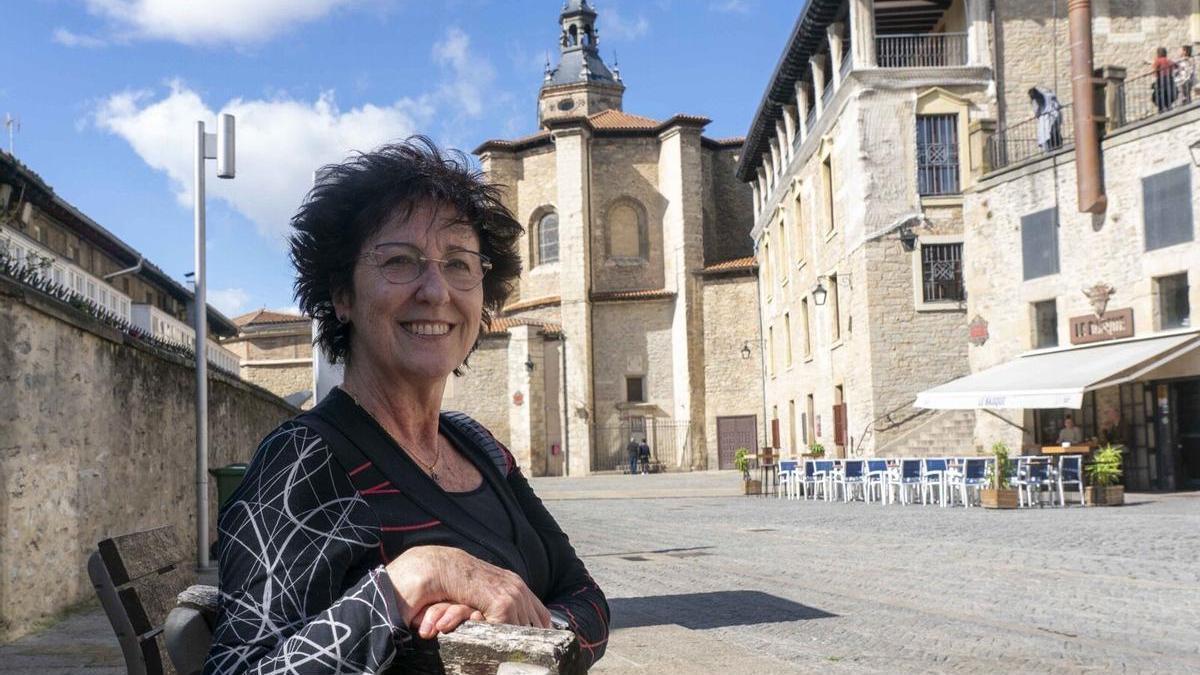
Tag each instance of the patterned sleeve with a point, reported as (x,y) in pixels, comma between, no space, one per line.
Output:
(575,595)
(291,539)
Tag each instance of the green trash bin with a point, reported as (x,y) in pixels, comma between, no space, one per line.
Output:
(228,480)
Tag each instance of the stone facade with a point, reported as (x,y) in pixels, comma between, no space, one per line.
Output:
(642,208)
(276,353)
(97,438)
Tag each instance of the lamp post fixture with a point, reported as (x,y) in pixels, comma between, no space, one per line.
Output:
(746,350)
(819,293)
(218,146)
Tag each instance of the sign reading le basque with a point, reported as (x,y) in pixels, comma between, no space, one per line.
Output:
(1099,327)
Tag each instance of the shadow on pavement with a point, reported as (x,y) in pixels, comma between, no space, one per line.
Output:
(699,611)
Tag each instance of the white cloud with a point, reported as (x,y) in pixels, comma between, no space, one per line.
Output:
(730,6)
(69,39)
(617,27)
(470,75)
(195,22)
(229,301)
(280,143)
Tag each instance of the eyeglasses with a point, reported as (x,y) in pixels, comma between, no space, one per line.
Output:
(404,263)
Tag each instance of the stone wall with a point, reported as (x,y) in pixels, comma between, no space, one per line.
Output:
(1092,249)
(728,208)
(281,379)
(97,438)
(630,339)
(732,385)
(626,169)
(1033,48)
(482,391)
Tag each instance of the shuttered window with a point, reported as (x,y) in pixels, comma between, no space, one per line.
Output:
(1039,243)
(1167,208)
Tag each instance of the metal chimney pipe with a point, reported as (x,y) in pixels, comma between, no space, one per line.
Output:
(1087,136)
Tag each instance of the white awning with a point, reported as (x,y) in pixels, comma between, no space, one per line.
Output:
(1058,378)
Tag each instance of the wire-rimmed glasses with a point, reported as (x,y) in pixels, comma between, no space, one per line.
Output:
(404,263)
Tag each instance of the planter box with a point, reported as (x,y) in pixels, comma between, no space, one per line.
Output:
(998,499)
(752,487)
(1110,495)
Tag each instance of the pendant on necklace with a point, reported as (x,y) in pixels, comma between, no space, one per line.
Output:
(434,476)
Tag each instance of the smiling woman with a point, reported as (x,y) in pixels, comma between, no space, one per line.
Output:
(375,514)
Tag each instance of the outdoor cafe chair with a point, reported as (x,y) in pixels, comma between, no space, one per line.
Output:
(933,474)
(1070,472)
(1037,476)
(787,477)
(909,483)
(852,474)
(973,474)
(878,477)
(808,482)
(823,470)
(1016,478)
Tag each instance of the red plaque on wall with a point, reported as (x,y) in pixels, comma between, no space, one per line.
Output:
(977,331)
(518,398)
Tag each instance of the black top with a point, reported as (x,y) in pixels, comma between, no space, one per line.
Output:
(327,501)
(483,503)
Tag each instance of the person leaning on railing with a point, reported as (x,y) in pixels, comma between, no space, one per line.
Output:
(1185,74)
(375,516)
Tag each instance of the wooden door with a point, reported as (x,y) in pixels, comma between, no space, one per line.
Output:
(735,432)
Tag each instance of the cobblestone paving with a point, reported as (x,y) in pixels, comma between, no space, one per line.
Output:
(734,584)
(702,581)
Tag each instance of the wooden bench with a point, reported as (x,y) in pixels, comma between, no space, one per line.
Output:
(164,621)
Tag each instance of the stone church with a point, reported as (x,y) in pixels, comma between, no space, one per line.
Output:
(635,314)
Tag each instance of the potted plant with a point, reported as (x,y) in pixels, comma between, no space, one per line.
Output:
(1104,471)
(815,451)
(1000,495)
(741,460)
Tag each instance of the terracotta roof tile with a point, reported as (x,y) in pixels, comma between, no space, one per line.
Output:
(531,303)
(657,294)
(502,325)
(261,317)
(735,265)
(615,119)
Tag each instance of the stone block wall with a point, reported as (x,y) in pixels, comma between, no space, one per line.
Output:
(97,438)
(482,392)
(732,385)
(1092,249)
(626,169)
(728,208)
(631,338)
(1033,48)
(282,379)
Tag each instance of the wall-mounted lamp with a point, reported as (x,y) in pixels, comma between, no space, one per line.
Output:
(819,293)
(529,364)
(908,238)
(746,350)
(1195,148)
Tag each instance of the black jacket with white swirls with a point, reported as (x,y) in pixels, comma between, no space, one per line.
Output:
(327,501)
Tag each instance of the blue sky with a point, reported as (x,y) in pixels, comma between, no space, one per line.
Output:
(107,92)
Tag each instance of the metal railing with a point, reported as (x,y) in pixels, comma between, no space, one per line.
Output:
(61,272)
(1151,94)
(921,50)
(1037,135)
(670,443)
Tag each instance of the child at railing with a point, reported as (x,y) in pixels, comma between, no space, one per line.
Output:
(1185,74)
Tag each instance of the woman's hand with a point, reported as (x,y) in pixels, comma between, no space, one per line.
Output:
(426,575)
(443,617)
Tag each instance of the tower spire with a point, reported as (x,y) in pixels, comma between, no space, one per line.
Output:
(581,84)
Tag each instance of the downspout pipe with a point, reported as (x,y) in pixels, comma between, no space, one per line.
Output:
(1087,136)
(128,270)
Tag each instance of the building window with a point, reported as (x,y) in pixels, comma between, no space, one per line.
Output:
(804,321)
(627,231)
(635,389)
(1045,324)
(810,433)
(781,254)
(827,191)
(792,426)
(1167,208)
(835,310)
(942,272)
(766,261)
(798,216)
(1174,310)
(937,155)
(547,238)
(771,350)
(1039,243)
(787,329)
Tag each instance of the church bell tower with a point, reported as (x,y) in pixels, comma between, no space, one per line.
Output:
(581,84)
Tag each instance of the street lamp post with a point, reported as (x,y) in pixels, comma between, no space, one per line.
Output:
(218,146)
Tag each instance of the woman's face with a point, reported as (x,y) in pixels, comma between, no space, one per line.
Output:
(423,329)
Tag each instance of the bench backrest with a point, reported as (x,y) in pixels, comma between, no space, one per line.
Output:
(137,577)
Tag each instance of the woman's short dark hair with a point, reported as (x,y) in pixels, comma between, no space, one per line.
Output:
(1161,51)
(352,201)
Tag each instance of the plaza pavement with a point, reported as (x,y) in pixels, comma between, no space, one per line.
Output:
(701,580)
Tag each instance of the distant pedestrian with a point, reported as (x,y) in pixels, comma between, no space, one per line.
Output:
(1048,113)
(1163,90)
(644,456)
(1185,75)
(632,449)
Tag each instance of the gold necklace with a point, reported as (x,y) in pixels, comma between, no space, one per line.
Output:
(431,469)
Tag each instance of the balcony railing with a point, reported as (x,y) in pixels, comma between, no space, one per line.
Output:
(58,270)
(1034,136)
(921,50)
(167,328)
(1150,94)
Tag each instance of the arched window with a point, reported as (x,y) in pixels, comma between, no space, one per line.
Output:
(627,235)
(547,238)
